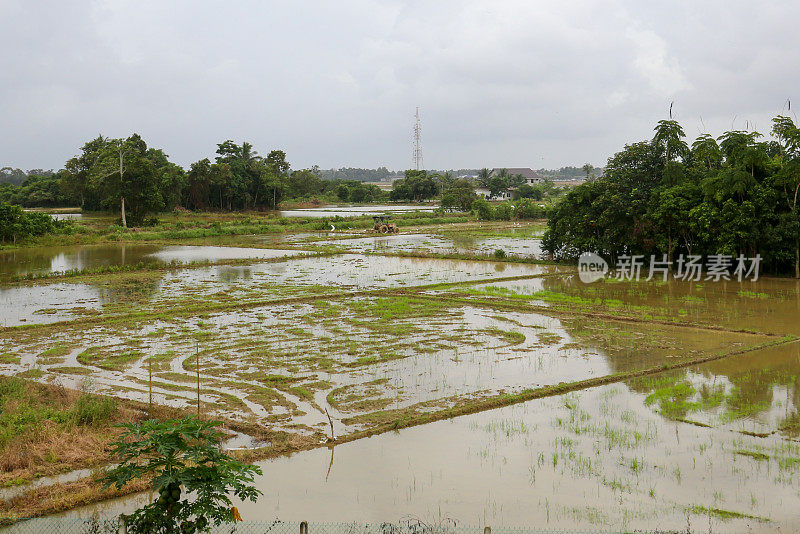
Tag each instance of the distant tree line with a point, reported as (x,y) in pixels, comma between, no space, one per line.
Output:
(351,174)
(504,180)
(133,179)
(736,194)
(127,176)
(12,176)
(459,194)
(37,188)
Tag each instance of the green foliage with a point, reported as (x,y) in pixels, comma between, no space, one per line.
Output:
(458,195)
(534,192)
(523,209)
(732,195)
(483,210)
(26,408)
(92,410)
(35,190)
(183,457)
(416,186)
(504,211)
(15,223)
(147,181)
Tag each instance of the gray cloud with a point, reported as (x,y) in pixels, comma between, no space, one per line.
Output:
(501,83)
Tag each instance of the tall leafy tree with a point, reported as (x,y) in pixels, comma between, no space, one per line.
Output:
(669,137)
(788,177)
(124,176)
(738,196)
(706,150)
(77,180)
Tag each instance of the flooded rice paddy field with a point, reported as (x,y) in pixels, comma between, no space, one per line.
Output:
(48,260)
(435,244)
(514,239)
(597,458)
(613,405)
(203,287)
(769,305)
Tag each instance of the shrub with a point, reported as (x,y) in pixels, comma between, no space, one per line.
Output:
(93,410)
(15,223)
(181,457)
(483,210)
(526,209)
(504,211)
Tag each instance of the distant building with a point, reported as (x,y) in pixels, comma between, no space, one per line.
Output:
(531,176)
(484,193)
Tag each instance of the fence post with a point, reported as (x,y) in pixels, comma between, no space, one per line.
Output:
(303,527)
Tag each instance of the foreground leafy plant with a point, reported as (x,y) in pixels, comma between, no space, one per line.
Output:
(184,459)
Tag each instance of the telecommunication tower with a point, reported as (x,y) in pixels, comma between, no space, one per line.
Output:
(417,157)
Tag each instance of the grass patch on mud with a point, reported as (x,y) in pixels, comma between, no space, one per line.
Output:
(365,397)
(110,360)
(49,429)
(725,515)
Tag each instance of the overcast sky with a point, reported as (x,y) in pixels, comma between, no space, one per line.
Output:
(335,83)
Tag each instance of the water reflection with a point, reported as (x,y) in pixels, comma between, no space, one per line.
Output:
(45,260)
(530,247)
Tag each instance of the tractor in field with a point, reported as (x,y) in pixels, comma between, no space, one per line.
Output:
(383,226)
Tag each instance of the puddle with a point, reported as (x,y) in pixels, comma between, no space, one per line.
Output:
(44,260)
(439,244)
(767,305)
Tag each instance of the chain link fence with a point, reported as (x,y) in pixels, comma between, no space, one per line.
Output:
(115,526)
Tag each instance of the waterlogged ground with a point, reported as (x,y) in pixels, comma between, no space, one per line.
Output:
(524,246)
(540,401)
(598,458)
(156,291)
(48,260)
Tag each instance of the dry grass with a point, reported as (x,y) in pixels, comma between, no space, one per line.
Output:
(60,497)
(47,429)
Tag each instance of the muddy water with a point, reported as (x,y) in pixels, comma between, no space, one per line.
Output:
(365,272)
(56,301)
(440,244)
(596,459)
(46,260)
(47,304)
(756,392)
(767,305)
(625,456)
